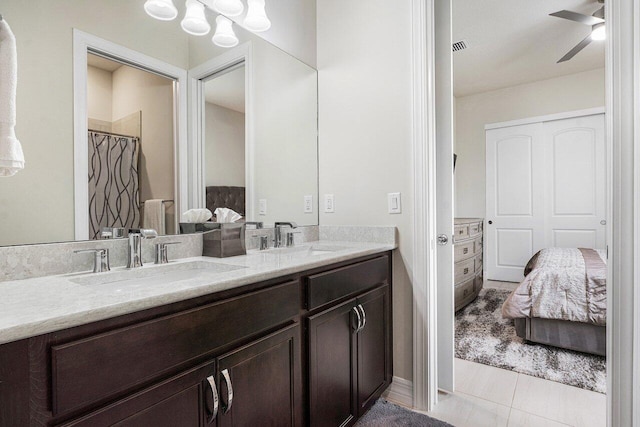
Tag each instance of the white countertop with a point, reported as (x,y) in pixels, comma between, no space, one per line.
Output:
(37,306)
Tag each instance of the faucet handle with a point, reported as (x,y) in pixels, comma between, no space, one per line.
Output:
(291,238)
(263,243)
(161,252)
(100,261)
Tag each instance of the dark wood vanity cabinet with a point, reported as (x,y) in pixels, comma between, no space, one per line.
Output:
(312,348)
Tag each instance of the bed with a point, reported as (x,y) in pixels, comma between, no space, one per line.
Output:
(226,197)
(562,300)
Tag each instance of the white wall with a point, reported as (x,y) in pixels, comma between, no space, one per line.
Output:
(224,146)
(136,90)
(99,91)
(473,112)
(365,132)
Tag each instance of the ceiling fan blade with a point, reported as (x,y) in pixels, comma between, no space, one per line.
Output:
(577,17)
(576,49)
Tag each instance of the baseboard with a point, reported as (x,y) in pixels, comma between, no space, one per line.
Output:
(400,391)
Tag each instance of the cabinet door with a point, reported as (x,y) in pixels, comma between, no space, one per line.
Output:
(185,400)
(374,347)
(261,383)
(332,358)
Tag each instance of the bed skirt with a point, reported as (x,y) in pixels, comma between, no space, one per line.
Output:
(583,337)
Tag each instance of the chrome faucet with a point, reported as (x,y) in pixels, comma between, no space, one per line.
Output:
(278,241)
(135,245)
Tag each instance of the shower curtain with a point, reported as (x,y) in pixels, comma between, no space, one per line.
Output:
(114,199)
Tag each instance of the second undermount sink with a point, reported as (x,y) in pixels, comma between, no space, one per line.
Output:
(158,274)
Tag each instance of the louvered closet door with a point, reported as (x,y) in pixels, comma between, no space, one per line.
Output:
(545,188)
(514,227)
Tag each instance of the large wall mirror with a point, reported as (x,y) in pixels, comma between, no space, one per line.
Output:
(39,204)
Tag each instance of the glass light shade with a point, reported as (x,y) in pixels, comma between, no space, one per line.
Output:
(229,7)
(224,36)
(194,21)
(163,10)
(256,19)
(598,32)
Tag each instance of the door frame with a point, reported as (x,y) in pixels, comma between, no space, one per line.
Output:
(623,211)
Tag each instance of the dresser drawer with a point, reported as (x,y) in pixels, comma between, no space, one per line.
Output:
(475,229)
(464,270)
(333,285)
(463,292)
(460,232)
(478,281)
(463,250)
(478,262)
(89,370)
(477,247)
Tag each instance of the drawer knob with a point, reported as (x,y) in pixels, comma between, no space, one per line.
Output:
(466,270)
(465,250)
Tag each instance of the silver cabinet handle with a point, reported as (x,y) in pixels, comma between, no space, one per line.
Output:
(359,317)
(364,317)
(226,408)
(214,395)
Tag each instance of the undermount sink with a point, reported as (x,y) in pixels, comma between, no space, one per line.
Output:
(305,251)
(158,274)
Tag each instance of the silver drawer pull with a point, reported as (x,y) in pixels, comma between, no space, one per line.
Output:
(364,316)
(465,250)
(226,408)
(357,327)
(466,270)
(214,395)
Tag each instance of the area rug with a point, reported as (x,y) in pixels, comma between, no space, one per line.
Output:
(387,414)
(483,336)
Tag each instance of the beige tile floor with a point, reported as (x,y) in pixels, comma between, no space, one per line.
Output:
(489,396)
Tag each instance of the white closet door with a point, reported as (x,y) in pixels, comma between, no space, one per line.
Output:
(576,177)
(514,227)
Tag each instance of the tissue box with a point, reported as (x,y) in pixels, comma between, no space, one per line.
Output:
(197,227)
(224,241)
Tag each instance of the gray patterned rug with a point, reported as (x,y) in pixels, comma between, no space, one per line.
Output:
(386,414)
(483,336)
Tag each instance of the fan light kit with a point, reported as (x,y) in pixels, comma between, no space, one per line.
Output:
(595,21)
(195,21)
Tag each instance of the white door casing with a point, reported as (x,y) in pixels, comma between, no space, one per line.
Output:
(545,188)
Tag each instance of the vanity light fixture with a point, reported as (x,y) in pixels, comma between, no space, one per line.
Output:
(228,7)
(163,10)
(256,19)
(195,21)
(224,36)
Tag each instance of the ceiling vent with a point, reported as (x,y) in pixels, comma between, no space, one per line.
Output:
(460,45)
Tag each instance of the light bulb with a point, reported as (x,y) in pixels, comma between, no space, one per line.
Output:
(163,10)
(194,21)
(598,32)
(256,19)
(224,36)
(229,7)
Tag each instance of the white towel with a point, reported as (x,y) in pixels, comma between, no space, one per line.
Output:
(11,156)
(154,215)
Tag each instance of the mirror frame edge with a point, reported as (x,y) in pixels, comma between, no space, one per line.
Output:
(83,43)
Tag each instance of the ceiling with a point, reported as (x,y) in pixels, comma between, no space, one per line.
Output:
(512,42)
(227,90)
(102,63)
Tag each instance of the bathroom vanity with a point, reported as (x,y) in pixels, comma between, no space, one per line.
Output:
(280,339)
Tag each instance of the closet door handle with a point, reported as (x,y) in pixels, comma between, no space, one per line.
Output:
(227,407)
(214,395)
(364,317)
(357,327)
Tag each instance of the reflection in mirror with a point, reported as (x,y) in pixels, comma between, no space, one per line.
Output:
(131,156)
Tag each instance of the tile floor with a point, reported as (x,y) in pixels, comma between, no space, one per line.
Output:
(489,396)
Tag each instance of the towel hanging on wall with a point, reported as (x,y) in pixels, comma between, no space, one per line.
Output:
(11,156)
(154,216)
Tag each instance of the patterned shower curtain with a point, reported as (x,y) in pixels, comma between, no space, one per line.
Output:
(114,199)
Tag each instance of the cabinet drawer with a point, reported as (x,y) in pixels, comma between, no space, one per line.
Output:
(464,291)
(463,250)
(350,280)
(464,270)
(477,248)
(89,370)
(460,232)
(478,282)
(478,262)
(475,229)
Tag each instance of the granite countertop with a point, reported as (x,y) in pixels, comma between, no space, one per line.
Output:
(32,307)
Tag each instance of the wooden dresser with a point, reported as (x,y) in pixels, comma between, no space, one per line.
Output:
(467,250)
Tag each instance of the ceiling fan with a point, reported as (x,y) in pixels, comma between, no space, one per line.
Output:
(596,21)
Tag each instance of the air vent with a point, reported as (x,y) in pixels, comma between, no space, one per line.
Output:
(460,45)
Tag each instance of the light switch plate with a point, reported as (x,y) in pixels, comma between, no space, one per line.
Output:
(395,203)
(262,206)
(329,203)
(308,204)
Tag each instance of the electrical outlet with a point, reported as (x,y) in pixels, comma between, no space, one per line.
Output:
(395,203)
(262,206)
(329,205)
(308,204)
